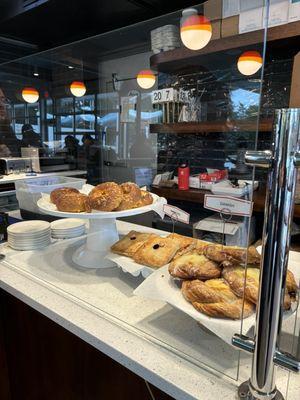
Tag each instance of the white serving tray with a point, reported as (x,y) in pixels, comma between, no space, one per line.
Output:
(224,188)
(161,286)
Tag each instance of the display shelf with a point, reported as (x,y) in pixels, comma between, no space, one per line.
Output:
(197,196)
(173,60)
(265,125)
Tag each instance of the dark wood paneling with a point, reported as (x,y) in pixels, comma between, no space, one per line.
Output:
(265,125)
(47,362)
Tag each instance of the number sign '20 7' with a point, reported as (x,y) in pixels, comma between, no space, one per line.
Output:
(163,95)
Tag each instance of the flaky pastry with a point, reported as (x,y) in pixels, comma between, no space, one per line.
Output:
(130,243)
(215,299)
(193,265)
(156,252)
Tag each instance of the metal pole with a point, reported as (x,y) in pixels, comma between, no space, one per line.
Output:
(275,248)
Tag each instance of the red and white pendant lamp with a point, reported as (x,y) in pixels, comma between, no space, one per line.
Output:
(30,95)
(78,88)
(195,29)
(249,62)
(146,79)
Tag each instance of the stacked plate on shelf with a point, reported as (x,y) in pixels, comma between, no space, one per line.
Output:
(67,228)
(29,235)
(165,38)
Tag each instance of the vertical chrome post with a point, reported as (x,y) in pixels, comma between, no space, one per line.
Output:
(275,247)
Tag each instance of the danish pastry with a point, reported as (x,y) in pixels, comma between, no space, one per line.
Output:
(232,254)
(57,193)
(131,196)
(235,276)
(215,299)
(130,243)
(72,202)
(105,197)
(193,265)
(186,243)
(156,252)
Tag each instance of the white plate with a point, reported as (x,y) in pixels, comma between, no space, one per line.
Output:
(46,206)
(67,224)
(161,286)
(28,227)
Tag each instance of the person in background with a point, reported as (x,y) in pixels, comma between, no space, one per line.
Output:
(9,144)
(71,149)
(30,137)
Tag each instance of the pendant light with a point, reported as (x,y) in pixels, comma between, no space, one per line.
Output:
(249,62)
(145,79)
(78,88)
(30,95)
(195,30)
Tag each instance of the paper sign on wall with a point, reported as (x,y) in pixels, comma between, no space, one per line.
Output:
(177,214)
(228,205)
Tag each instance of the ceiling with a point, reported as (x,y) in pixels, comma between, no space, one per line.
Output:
(44,24)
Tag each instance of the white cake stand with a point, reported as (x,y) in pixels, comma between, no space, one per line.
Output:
(102,232)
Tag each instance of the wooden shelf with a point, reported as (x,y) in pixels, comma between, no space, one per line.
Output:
(265,125)
(197,196)
(177,59)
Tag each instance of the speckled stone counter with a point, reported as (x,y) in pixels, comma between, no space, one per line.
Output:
(156,342)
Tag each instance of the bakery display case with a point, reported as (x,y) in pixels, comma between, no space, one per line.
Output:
(175,121)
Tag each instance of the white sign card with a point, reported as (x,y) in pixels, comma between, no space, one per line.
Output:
(228,205)
(164,96)
(177,214)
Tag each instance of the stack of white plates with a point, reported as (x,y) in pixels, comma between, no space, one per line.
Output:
(29,235)
(67,228)
(165,38)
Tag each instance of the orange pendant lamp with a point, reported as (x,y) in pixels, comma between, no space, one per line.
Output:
(30,95)
(249,62)
(145,79)
(195,30)
(78,88)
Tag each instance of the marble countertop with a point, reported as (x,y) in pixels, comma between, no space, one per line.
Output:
(158,343)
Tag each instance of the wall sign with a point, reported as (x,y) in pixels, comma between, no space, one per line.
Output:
(177,214)
(228,205)
(163,95)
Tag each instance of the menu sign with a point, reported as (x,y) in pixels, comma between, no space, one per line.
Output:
(177,214)
(228,205)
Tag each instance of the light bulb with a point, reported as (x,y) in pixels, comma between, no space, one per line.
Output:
(249,62)
(78,89)
(30,95)
(145,79)
(195,30)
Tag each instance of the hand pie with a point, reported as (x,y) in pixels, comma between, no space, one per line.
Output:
(193,265)
(130,243)
(232,254)
(156,252)
(235,276)
(215,299)
(186,243)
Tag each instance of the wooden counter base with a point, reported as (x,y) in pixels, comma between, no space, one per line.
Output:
(41,360)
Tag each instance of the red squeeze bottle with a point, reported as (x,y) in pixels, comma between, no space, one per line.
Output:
(183,177)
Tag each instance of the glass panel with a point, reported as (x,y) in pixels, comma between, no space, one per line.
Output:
(182,131)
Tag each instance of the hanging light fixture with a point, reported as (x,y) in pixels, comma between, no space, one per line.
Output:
(145,79)
(195,30)
(30,95)
(249,62)
(78,88)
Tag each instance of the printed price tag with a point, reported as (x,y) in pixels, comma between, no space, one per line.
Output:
(228,205)
(177,214)
(185,95)
(163,95)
